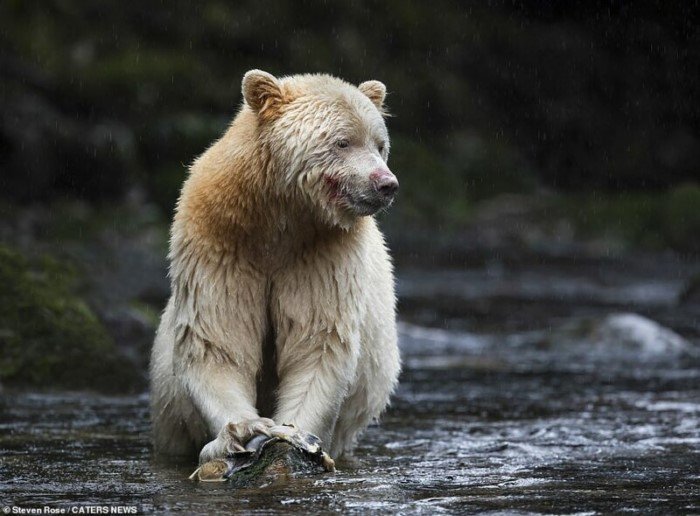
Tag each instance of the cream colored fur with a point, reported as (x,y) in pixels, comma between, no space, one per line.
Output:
(282,287)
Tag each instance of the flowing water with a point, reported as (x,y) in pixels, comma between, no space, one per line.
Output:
(517,418)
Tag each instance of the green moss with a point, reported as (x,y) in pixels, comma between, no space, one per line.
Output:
(49,337)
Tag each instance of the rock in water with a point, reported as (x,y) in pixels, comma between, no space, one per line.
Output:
(633,333)
(610,341)
(288,451)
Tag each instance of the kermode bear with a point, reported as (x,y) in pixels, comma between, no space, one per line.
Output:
(282,307)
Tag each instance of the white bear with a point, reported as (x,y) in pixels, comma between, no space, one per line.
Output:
(283,305)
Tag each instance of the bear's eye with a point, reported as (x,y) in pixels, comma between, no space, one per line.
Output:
(342,144)
(380,148)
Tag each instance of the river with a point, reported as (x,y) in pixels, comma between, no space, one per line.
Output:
(505,404)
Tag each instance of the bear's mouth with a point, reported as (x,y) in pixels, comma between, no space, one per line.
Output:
(363,206)
(357,203)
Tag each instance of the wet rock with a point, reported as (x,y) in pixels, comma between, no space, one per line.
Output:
(635,333)
(49,336)
(627,337)
(274,464)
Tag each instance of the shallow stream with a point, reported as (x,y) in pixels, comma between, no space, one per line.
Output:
(485,419)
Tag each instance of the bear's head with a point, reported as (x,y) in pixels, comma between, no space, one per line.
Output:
(327,142)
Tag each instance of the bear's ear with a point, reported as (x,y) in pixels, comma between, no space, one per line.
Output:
(375,91)
(262,92)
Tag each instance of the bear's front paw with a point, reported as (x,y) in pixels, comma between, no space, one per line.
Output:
(233,437)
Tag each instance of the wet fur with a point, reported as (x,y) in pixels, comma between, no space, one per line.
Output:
(282,297)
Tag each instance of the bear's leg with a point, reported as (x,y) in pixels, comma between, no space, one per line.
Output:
(225,398)
(353,418)
(315,372)
(377,374)
(178,429)
(367,399)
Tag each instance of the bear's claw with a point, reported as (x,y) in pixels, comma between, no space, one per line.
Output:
(233,437)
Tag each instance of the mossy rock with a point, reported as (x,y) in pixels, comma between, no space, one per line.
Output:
(49,337)
(276,464)
(279,463)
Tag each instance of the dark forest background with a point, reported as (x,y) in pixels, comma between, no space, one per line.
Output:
(536,122)
(488,97)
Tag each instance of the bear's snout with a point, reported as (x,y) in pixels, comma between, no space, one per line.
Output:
(384,182)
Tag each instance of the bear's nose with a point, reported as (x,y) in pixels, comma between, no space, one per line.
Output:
(384,182)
